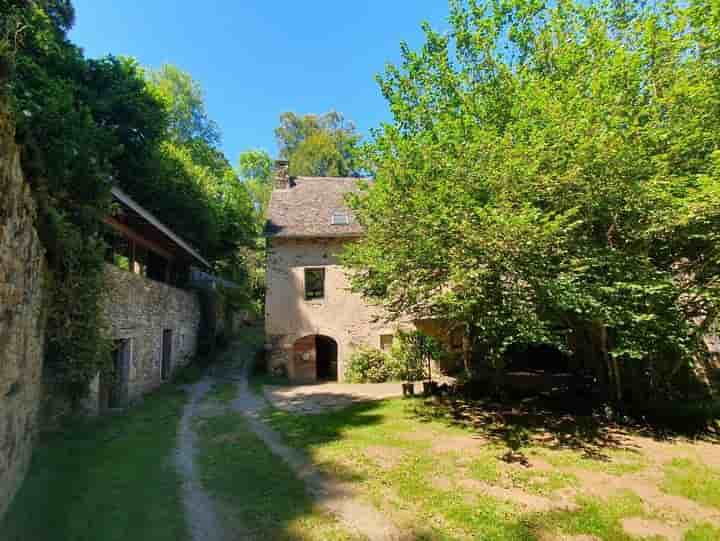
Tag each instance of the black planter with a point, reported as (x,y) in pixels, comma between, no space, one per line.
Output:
(408,389)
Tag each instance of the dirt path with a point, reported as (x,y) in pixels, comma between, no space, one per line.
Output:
(335,497)
(200,510)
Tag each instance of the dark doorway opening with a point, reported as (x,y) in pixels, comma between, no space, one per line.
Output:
(166,354)
(326,351)
(114,385)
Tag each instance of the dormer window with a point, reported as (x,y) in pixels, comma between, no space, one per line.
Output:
(340,218)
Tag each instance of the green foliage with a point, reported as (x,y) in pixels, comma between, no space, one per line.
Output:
(84,125)
(183,99)
(413,351)
(194,188)
(370,365)
(318,145)
(77,347)
(256,171)
(553,167)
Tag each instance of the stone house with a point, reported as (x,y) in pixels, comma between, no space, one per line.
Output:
(313,322)
(154,319)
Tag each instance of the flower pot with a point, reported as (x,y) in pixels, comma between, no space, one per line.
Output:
(408,389)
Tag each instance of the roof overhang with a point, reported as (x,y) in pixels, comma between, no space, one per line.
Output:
(128,201)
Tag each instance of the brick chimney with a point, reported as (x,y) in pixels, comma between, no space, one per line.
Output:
(282,175)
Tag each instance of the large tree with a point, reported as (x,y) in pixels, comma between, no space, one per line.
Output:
(553,169)
(318,145)
(255,168)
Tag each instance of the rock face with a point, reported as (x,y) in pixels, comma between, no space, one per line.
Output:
(149,321)
(21,318)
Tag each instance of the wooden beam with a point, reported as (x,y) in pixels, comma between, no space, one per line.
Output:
(139,239)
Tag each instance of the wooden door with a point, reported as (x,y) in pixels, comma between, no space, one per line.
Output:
(166,354)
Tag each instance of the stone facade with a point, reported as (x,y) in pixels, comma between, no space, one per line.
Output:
(143,314)
(290,319)
(21,319)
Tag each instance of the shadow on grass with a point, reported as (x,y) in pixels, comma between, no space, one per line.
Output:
(104,480)
(538,421)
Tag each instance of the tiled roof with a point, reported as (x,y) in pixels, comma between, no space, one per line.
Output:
(306,209)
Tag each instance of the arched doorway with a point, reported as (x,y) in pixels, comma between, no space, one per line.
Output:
(327,353)
(315,357)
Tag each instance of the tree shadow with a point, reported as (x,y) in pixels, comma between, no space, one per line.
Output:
(553,423)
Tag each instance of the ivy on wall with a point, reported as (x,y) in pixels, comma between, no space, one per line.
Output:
(84,125)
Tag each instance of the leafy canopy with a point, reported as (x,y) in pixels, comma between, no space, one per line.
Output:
(553,166)
(318,145)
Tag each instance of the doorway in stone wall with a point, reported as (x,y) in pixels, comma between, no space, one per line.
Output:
(166,365)
(114,386)
(327,358)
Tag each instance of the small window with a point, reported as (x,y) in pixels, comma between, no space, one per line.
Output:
(386,341)
(314,284)
(340,218)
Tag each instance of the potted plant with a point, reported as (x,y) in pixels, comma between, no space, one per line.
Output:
(416,351)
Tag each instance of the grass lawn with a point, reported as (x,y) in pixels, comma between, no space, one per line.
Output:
(112,479)
(497,481)
(256,492)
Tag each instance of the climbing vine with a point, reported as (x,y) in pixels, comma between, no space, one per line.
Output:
(84,125)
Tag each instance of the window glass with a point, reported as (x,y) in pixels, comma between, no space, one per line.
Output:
(314,284)
(386,341)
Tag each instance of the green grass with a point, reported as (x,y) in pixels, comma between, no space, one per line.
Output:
(703,532)
(617,461)
(693,480)
(599,518)
(406,487)
(190,373)
(108,480)
(224,392)
(255,489)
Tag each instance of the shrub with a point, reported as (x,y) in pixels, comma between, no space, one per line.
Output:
(369,365)
(411,351)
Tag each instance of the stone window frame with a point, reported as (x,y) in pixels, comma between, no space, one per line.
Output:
(319,293)
(387,345)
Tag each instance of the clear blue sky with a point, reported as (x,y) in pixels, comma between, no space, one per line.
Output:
(258,58)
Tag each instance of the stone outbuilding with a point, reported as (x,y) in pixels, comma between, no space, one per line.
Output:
(153,315)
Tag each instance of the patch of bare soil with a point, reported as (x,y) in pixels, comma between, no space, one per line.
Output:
(419,434)
(659,452)
(604,485)
(461,444)
(643,527)
(384,456)
(563,537)
(199,507)
(528,502)
(708,453)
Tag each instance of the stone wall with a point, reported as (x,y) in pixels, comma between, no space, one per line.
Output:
(342,315)
(21,318)
(139,311)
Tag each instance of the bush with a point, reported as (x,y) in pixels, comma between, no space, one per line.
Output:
(369,365)
(411,351)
